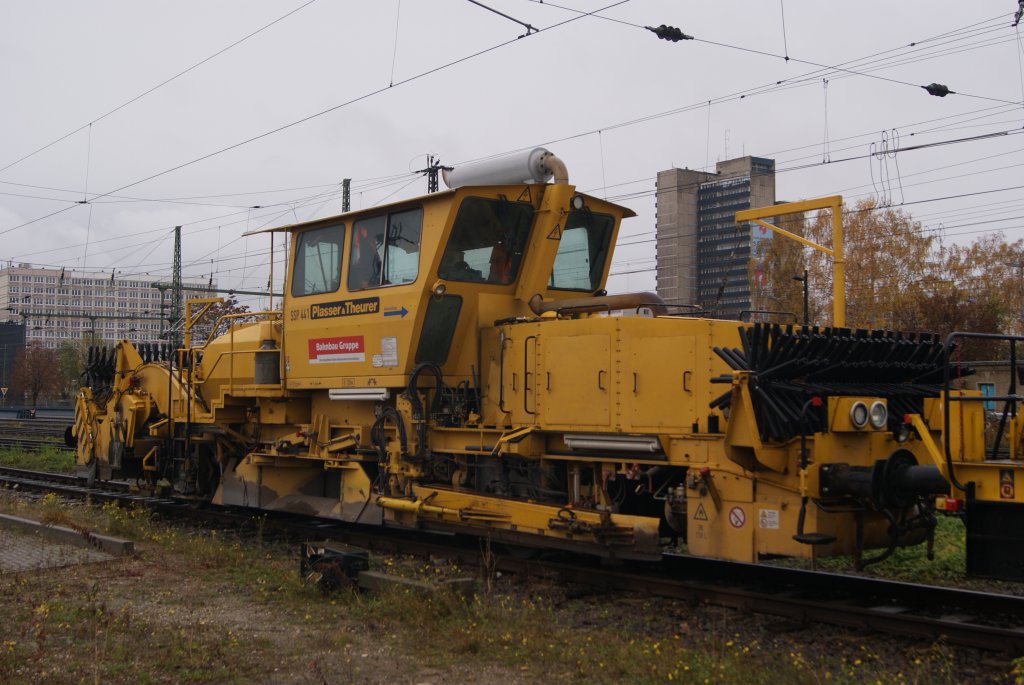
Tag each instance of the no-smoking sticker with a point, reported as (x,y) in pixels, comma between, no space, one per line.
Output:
(737,518)
(1006,484)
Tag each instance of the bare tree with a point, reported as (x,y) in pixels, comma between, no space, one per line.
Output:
(900,275)
(36,374)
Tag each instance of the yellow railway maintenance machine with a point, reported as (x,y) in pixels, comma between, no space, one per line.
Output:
(453,363)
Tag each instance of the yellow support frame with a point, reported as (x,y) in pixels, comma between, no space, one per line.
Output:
(833,202)
(192,317)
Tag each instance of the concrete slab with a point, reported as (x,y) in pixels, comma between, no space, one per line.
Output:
(67,536)
(28,552)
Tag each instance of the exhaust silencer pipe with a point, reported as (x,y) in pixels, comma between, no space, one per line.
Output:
(529,166)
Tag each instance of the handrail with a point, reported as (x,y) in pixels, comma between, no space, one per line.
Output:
(231,320)
(270,315)
(749,312)
(225,354)
(1011,398)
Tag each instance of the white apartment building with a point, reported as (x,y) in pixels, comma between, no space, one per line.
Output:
(58,305)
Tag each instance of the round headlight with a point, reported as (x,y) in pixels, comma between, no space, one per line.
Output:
(879,414)
(859,415)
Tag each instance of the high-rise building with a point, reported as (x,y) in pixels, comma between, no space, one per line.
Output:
(704,257)
(12,341)
(58,305)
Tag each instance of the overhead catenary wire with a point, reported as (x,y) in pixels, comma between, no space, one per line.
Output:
(780,170)
(394,53)
(992,111)
(774,86)
(849,211)
(165,229)
(528,27)
(785,41)
(598,130)
(619,184)
(997,190)
(941,231)
(599,16)
(292,124)
(786,57)
(749,90)
(1020,63)
(295,202)
(157,86)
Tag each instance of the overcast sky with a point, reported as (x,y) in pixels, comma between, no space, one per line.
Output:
(396,81)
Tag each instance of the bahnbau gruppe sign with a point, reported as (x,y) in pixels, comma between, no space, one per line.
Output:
(348,348)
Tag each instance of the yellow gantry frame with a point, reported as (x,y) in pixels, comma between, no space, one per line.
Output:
(833,202)
(191,319)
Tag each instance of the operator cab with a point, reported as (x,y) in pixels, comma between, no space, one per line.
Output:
(373,293)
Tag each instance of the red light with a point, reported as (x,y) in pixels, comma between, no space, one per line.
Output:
(948,504)
(815,401)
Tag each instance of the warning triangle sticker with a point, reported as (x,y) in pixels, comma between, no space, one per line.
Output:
(700,514)
(1005,476)
(525,196)
(556,233)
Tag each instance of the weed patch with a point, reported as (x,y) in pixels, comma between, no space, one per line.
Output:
(47,459)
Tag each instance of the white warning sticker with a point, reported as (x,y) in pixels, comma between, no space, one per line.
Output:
(768,518)
(389,351)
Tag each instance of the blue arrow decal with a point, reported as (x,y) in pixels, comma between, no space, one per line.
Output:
(397,312)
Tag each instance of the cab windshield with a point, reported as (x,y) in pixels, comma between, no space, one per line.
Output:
(318,261)
(487,241)
(385,250)
(582,252)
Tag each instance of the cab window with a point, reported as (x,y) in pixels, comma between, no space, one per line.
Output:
(385,250)
(317,266)
(582,252)
(487,241)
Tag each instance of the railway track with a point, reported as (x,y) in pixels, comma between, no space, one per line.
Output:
(33,435)
(989,621)
(47,426)
(31,444)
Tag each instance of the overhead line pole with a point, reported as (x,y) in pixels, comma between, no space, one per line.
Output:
(177,299)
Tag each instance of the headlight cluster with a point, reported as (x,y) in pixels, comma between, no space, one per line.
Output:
(877,415)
